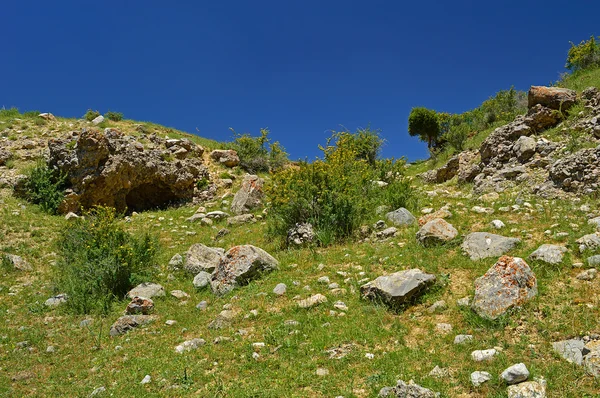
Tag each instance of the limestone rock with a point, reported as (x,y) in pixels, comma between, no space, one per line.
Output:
(480,245)
(550,254)
(436,231)
(441,213)
(509,283)
(483,355)
(571,350)
(189,345)
(301,234)
(140,305)
(401,217)
(515,374)
(202,258)
(312,301)
(249,196)
(241,219)
(228,158)
(201,280)
(589,242)
(551,97)
(409,390)
(399,288)
(529,389)
(239,266)
(524,148)
(478,378)
(147,289)
(128,322)
(56,300)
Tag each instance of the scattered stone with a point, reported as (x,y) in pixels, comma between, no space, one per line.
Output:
(484,355)
(401,217)
(55,301)
(549,254)
(301,234)
(324,280)
(478,378)
(202,258)
(340,305)
(443,328)
(439,373)
(140,305)
(312,301)
(509,283)
(189,345)
(128,322)
(438,306)
(589,242)
(176,261)
(17,262)
(595,222)
(148,290)
(239,266)
(463,302)
(228,158)
(591,359)
(387,233)
(249,196)
(436,231)
(480,245)
(408,390)
(593,261)
(170,322)
(280,289)
(241,219)
(147,379)
(587,275)
(463,338)
(515,374)
(202,280)
(441,213)
(322,372)
(180,294)
(571,350)
(497,224)
(529,389)
(98,391)
(399,288)
(202,306)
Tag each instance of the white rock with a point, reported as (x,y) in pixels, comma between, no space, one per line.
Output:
(515,374)
(483,355)
(280,289)
(498,224)
(147,379)
(478,378)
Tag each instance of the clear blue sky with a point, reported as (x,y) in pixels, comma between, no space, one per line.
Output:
(300,68)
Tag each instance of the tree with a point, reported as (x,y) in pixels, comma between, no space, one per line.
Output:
(424,123)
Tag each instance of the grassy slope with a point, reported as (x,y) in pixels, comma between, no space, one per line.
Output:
(404,345)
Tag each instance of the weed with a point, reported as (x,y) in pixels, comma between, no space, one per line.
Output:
(45,187)
(114,116)
(91,115)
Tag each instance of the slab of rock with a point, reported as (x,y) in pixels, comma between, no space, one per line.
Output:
(478,378)
(241,219)
(189,345)
(312,301)
(401,217)
(593,261)
(201,280)
(551,97)
(595,222)
(399,288)
(176,261)
(571,350)
(483,355)
(589,242)
(591,359)
(239,266)
(249,196)
(179,294)
(140,305)
(441,213)
(515,374)
(524,148)
(18,263)
(529,389)
(147,289)
(509,283)
(202,258)
(129,322)
(463,338)
(436,231)
(226,157)
(407,390)
(56,300)
(5,156)
(216,215)
(480,245)
(550,254)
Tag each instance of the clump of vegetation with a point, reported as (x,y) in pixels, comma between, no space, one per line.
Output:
(44,186)
(425,124)
(259,154)
(114,116)
(10,113)
(339,193)
(585,55)
(5,264)
(202,183)
(91,115)
(98,262)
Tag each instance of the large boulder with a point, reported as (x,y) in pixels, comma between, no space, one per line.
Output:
(480,245)
(401,217)
(202,258)
(549,254)
(114,170)
(524,148)
(239,266)
(249,196)
(509,283)
(399,288)
(551,97)
(226,157)
(444,173)
(436,231)
(578,173)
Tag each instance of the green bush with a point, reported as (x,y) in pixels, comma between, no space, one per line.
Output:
(365,143)
(98,262)
(337,194)
(258,154)
(114,116)
(584,55)
(91,115)
(457,136)
(9,113)
(44,186)
(425,124)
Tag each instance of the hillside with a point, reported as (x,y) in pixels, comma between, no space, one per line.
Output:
(262,339)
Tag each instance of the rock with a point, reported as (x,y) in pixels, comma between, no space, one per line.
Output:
(595,222)
(410,390)
(483,355)
(147,379)
(189,345)
(176,261)
(551,97)
(444,173)
(128,322)
(480,245)
(399,288)
(322,372)
(340,305)
(478,378)
(441,213)
(216,215)
(147,289)
(578,172)
(589,242)
(98,391)
(515,374)
(439,373)
(228,158)
(312,301)
(140,305)
(202,306)
(55,301)
(323,280)
(443,328)
(179,294)
(97,120)
(529,389)
(463,338)
(387,233)
(241,219)
(47,116)
(401,217)
(202,258)
(5,156)
(239,266)
(497,224)
(249,196)
(464,302)
(436,231)
(201,280)
(301,234)
(280,289)
(108,169)
(224,319)
(18,263)
(550,254)
(71,216)
(571,350)
(438,306)
(509,283)
(587,275)
(524,148)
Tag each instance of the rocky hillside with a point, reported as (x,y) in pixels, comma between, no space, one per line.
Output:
(487,288)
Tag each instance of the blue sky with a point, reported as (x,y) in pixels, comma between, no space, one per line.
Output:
(300,68)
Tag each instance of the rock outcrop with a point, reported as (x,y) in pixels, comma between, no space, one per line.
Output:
(249,196)
(552,97)
(480,245)
(399,288)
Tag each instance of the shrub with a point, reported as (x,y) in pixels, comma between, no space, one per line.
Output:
(114,116)
(258,154)
(365,143)
(91,115)
(584,55)
(98,262)
(457,136)
(44,186)
(9,113)
(202,183)
(337,194)
(32,114)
